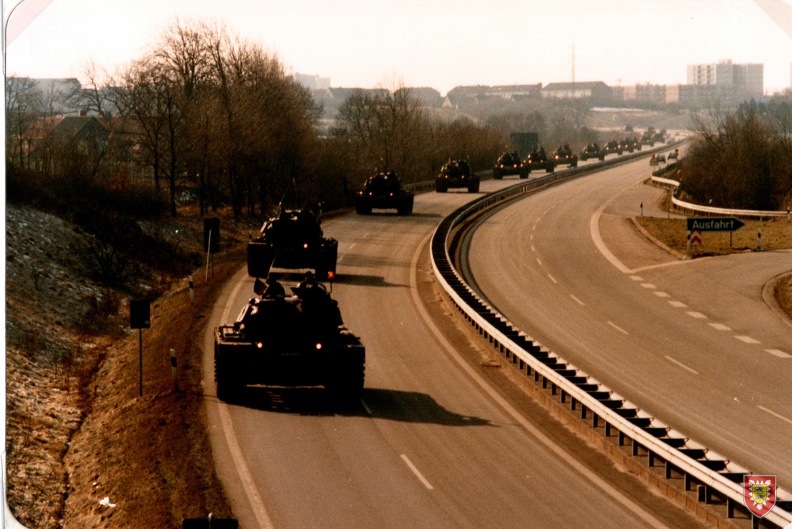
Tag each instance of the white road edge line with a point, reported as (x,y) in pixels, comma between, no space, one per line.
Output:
(249,485)
(611,491)
(417,472)
(680,364)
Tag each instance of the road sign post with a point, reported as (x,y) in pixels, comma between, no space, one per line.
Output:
(696,225)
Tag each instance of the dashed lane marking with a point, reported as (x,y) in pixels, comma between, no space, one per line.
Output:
(778,352)
(418,474)
(720,326)
(677,304)
(747,339)
(774,414)
(680,364)
(617,328)
(697,315)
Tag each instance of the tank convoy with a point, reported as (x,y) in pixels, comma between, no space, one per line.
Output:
(292,240)
(289,341)
(509,163)
(456,174)
(384,191)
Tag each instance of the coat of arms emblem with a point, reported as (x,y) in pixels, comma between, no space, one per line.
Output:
(759,493)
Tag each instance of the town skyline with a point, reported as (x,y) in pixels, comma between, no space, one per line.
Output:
(443,45)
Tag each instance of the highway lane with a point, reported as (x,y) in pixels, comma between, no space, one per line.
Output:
(429,447)
(690,342)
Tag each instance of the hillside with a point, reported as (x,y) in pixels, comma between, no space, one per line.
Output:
(77,430)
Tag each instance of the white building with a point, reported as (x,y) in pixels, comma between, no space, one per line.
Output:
(734,82)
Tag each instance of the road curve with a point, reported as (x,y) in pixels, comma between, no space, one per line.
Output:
(431,445)
(692,342)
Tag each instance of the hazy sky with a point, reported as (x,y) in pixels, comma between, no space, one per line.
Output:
(437,43)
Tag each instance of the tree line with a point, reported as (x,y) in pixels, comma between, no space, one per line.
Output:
(742,159)
(208,117)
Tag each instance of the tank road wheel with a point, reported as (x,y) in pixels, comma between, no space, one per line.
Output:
(346,384)
(229,389)
(405,208)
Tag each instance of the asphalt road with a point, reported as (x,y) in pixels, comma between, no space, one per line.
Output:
(432,444)
(693,342)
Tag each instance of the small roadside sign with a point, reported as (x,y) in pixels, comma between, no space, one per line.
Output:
(714,224)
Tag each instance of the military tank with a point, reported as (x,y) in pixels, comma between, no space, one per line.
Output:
(538,160)
(592,151)
(509,163)
(564,156)
(456,174)
(384,191)
(292,240)
(290,341)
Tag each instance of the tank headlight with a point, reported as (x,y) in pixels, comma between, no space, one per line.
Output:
(259,344)
(318,347)
(305,246)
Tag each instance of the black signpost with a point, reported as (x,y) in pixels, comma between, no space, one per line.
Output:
(140,318)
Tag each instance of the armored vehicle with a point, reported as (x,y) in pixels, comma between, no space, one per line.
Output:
(538,160)
(612,147)
(508,163)
(292,240)
(384,191)
(292,341)
(630,144)
(456,174)
(592,151)
(647,138)
(563,156)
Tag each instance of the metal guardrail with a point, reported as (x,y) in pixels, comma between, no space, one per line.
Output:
(711,210)
(716,477)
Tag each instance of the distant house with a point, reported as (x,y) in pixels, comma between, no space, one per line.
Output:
(429,97)
(516,91)
(331,99)
(588,90)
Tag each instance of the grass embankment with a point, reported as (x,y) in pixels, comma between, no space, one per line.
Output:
(776,234)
